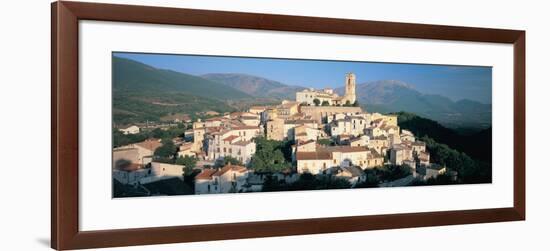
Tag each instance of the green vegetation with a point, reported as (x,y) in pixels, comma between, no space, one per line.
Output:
(325,142)
(325,103)
(478,145)
(227,160)
(316,101)
(188,162)
(469,170)
(167,150)
(139,107)
(439,180)
(174,186)
(143,93)
(120,190)
(271,155)
(469,155)
(306,182)
(130,75)
(119,139)
(387,173)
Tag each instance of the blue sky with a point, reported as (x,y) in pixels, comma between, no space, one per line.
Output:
(455,82)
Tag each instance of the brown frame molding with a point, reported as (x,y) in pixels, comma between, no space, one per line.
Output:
(64,124)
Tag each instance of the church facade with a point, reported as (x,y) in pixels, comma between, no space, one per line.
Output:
(327,96)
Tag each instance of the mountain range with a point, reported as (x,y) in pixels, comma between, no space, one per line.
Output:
(137,85)
(130,75)
(145,93)
(383,96)
(254,85)
(387,96)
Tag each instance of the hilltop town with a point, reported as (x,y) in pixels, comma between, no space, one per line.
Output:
(320,140)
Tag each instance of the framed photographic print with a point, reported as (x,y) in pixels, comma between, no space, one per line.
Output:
(179,125)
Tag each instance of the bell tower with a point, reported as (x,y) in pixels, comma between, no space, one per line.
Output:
(350,88)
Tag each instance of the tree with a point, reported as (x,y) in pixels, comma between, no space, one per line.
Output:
(120,139)
(469,171)
(347,103)
(316,101)
(167,150)
(325,103)
(318,182)
(271,155)
(326,142)
(356,104)
(227,160)
(189,163)
(157,133)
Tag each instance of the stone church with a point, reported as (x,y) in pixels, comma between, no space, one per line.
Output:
(327,96)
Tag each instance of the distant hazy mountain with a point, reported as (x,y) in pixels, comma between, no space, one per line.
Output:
(254,85)
(130,75)
(394,96)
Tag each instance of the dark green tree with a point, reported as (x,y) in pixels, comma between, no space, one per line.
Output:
(189,163)
(326,142)
(227,160)
(316,101)
(167,150)
(270,155)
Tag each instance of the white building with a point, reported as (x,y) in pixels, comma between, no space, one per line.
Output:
(130,130)
(354,125)
(232,139)
(326,157)
(130,176)
(186,150)
(352,174)
(230,178)
(159,169)
(430,171)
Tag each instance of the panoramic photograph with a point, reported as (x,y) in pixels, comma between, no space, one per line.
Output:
(198,125)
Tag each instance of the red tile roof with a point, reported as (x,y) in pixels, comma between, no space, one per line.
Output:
(227,168)
(313,155)
(345,149)
(150,144)
(206,174)
(230,138)
(242,143)
(245,128)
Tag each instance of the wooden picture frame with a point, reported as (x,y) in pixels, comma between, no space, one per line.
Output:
(65,232)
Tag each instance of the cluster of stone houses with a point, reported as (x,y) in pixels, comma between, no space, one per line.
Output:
(133,164)
(229,135)
(359,141)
